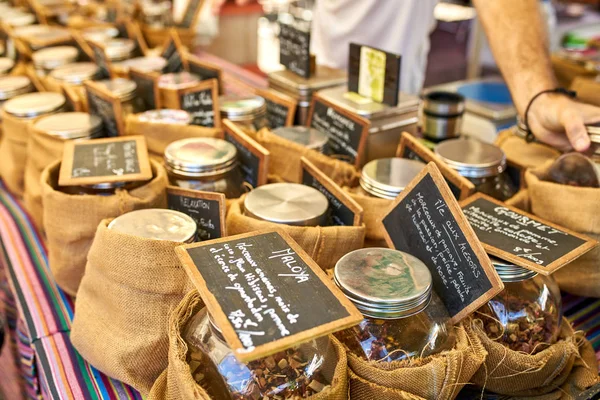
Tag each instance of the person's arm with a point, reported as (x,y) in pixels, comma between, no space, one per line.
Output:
(518,38)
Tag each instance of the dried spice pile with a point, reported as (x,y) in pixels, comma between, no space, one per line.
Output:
(374,342)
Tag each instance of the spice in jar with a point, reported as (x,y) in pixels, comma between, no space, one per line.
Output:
(403,318)
(70,125)
(75,74)
(387,177)
(50,58)
(125,90)
(247,112)
(33,105)
(166,116)
(178,80)
(303,135)
(157,224)
(574,169)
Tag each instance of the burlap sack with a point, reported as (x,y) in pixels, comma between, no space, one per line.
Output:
(130,287)
(324,244)
(177,383)
(374,210)
(440,376)
(13,152)
(70,221)
(560,371)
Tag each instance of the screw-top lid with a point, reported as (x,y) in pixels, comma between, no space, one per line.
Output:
(305,136)
(70,125)
(508,272)
(287,203)
(11,86)
(53,57)
(32,105)
(166,116)
(121,87)
(100,34)
(472,158)
(178,80)
(146,64)
(239,108)
(76,73)
(119,49)
(387,177)
(197,157)
(6,64)
(384,283)
(19,19)
(157,224)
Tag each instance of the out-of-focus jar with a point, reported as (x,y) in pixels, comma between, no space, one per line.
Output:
(12,86)
(50,58)
(41,36)
(166,116)
(75,74)
(157,14)
(403,317)
(157,224)
(527,314)
(205,164)
(146,64)
(387,177)
(119,49)
(71,125)
(295,373)
(248,112)
(101,189)
(125,89)
(441,115)
(34,105)
(6,65)
(100,34)
(287,203)
(178,80)
(303,135)
(482,163)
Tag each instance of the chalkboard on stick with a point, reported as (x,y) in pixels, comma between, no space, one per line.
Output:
(135,33)
(147,87)
(206,208)
(202,102)
(101,59)
(281,109)
(173,52)
(521,238)
(191,14)
(107,106)
(411,148)
(344,210)
(426,221)
(95,161)
(204,69)
(294,49)
(253,158)
(347,132)
(265,293)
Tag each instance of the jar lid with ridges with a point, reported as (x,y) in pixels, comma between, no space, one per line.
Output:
(235,108)
(6,64)
(472,158)
(166,116)
(145,64)
(100,33)
(121,87)
(384,283)
(53,57)
(119,49)
(11,86)
(508,272)
(198,157)
(157,224)
(70,125)
(32,105)
(76,73)
(19,19)
(178,80)
(387,177)
(305,136)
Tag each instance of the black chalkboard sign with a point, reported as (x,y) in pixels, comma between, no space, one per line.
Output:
(294,49)
(521,238)
(135,33)
(191,14)
(425,220)
(343,209)
(253,158)
(347,132)
(281,109)
(89,162)
(101,60)
(206,208)
(265,293)
(147,88)
(202,102)
(203,69)
(107,107)
(173,54)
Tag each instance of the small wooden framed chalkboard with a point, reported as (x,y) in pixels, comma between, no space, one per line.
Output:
(202,102)
(410,147)
(205,70)
(281,109)
(191,15)
(73,100)
(135,33)
(294,49)
(107,106)
(253,158)
(147,87)
(173,51)
(265,293)
(89,162)
(521,238)
(82,44)
(101,60)
(426,221)
(344,209)
(347,132)
(206,208)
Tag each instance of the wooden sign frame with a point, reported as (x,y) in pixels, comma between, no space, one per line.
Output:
(253,146)
(82,43)
(334,189)
(179,48)
(192,60)
(409,141)
(496,283)
(365,123)
(72,97)
(223,322)
(135,33)
(212,84)
(154,77)
(65,178)
(282,100)
(200,4)
(549,268)
(211,196)
(95,45)
(102,92)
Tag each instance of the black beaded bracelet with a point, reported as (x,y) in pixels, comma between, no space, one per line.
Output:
(529,137)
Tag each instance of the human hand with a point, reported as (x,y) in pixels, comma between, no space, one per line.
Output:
(560,121)
(217,4)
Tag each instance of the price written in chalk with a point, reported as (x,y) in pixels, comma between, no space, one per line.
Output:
(206,208)
(201,101)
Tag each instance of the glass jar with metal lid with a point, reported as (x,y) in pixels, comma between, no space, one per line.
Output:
(33,105)
(75,74)
(146,64)
(119,49)
(178,80)
(441,115)
(45,60)
(308,137)
(387,177)
(125,89)
(166,116)
(403,317)
(248,112)
(101,189)
(287,203)
(157,224)
(100,34)
(157,14)
(482,163)
(527,314)
(41,36)
(205,164)
(6,65)
(71,125)
(12,86)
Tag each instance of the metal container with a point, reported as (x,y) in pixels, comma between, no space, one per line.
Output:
(146,64)
(166,116)
(308,137)
(387,123)
(76,73)
(34,105)
(50,58)
(441,115)
(178,80)
(100,34)
(386,178)
(125,89)
(287,203)
(157,224)
(12,86)
(119,49)
(248,112)
(6,65)
(302,89)
(71,125)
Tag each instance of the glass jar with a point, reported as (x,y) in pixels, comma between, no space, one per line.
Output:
(33,105)
(308,137)
(287,203)
(100,34)
(248,112)
(157,224)
(145,64)
(12,86)
(482,163)
(70,125)
(157,14)
(101,189)
(45,60)
(119,49)
(295,373)
(403,317)
(527,314)
(75,74)
(125,90)
(178,80)
(166,116)
(205,164)
(387,177)
(6,65)
(441,115)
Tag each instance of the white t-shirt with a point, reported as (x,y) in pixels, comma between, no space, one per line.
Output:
(397,26)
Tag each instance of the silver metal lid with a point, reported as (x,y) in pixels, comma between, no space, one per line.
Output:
(70,125)
(76,73)
(472,158)
(508,272)
(444,104)
(197,157)
(11,86)
(324,77)
(387,177)
(236,108)
(6,64)
(178,80)
(53,57)
(287,203)
(146,64)
(384,283)
(157,224)
(166,116)
(32,105)
(36,30)
(100,33)
(19,19)
(119,49)
(305,136)
(121,87)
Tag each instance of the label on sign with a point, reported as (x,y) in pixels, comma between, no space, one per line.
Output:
(202,102)
(106,106)
(281,109)
(147,87)
(206,208)
(253,158)
(294,49)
